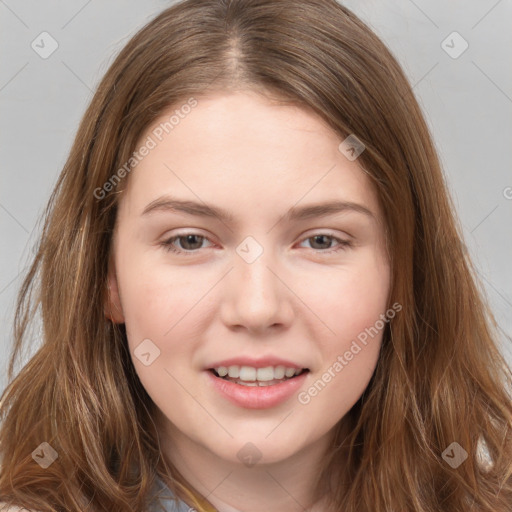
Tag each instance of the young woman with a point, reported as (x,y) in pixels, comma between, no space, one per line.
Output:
(253,290)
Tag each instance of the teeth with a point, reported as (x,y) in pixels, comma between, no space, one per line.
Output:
(247,373)
(234,372)
(279,372)
(258,383)
(251,374)
(265,374)
(222,371)
(290,372)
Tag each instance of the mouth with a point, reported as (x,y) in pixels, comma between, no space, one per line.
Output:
(256,388)
(268,377)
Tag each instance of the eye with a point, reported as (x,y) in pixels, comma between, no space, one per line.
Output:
(321,238)
(192,242)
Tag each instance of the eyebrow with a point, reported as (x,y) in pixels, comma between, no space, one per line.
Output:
(167,203)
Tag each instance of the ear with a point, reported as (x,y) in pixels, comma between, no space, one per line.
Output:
(113,308)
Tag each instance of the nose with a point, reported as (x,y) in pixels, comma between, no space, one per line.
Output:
(256,297)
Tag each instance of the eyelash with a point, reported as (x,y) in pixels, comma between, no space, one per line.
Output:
(168,244)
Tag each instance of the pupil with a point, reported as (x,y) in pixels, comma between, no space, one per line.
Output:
(316,237)
(190,239)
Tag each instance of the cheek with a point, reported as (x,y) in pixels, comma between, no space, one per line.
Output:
(361,299)
(353,306)
(348,298)
(159,312)
(155,298)
(147,306)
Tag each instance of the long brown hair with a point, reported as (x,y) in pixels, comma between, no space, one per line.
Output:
(440,379)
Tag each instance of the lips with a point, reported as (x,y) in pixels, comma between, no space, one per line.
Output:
(256,397)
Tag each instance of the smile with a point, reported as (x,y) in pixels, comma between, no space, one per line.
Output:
(251,376)
(256,394)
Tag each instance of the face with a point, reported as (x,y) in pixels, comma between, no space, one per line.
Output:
(271,282)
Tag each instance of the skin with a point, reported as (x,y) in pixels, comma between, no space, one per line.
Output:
(257,159)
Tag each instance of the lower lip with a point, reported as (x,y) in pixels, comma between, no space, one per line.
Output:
(257,397)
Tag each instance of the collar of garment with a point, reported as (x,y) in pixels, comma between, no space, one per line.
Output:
(164,500)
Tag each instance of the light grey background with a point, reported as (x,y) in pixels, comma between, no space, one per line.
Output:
(466,100)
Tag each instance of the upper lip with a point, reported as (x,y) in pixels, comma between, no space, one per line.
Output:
(261,362)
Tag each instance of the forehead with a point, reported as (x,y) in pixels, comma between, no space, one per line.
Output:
(242,149)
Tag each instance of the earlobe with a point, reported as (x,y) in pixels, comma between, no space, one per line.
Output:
(113,308)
